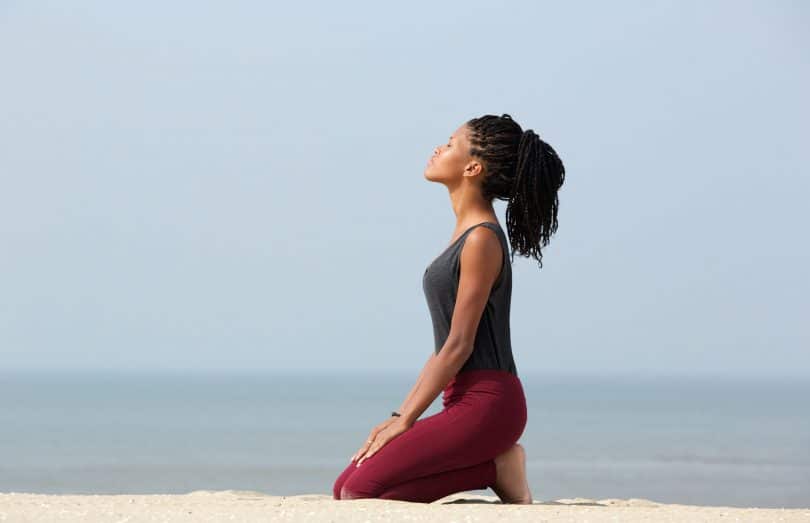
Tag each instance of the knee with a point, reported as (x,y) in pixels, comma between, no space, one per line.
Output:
(340,490)
(358,490)
(337,488)
(346,493)
(341,480)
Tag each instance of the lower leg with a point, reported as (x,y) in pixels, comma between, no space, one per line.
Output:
(511,484)
(427,489)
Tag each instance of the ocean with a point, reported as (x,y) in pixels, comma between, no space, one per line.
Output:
(739,442)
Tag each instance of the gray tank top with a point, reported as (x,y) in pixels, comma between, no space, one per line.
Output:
(492,348)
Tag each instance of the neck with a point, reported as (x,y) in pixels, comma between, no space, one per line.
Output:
(469,206)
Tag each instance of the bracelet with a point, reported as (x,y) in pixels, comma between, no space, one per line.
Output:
(395,413)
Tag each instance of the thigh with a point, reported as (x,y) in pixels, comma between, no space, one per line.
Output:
(461,435)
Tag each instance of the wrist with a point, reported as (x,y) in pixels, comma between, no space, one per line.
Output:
(407,417)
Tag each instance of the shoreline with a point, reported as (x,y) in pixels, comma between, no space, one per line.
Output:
(247,505)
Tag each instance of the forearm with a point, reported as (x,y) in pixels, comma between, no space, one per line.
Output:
(438,372)
(408,399)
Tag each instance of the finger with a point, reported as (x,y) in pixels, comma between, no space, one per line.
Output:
(364,458)
(377,445)
(370,453)
(360,460)
(359,453)
(362,450)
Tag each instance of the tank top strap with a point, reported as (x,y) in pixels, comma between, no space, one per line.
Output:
(504,248)
(489,225)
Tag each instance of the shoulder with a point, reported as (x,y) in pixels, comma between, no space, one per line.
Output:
(482,250)
(482,239)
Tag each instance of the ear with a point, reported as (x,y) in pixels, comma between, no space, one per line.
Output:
(473,168)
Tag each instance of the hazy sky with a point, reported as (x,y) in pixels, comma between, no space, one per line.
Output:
(229,185)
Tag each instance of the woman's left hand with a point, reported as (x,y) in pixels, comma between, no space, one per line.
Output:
(384,436)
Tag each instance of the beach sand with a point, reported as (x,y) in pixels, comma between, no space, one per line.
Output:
(239,505)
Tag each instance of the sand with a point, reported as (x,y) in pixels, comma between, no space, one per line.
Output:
(236,505)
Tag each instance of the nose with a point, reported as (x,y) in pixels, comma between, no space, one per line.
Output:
(435,151)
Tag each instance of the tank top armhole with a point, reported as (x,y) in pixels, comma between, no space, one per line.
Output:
(502,274)
(504,261)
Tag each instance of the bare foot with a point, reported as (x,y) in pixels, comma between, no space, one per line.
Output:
(511,484)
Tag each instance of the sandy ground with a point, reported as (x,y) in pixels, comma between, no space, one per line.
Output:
(234,505)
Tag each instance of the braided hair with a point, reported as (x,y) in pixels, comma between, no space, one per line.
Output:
(523,170)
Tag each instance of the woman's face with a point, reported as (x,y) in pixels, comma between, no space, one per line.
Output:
(451,159)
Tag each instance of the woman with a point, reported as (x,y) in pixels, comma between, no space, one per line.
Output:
(471,443)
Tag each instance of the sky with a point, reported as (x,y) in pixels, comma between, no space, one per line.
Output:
(238,186)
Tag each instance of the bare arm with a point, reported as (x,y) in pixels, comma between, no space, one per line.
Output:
(408,399)
(438,372)
(481,259)
(393,419)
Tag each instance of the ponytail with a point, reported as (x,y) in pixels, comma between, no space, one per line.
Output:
(524,170)
(531,216)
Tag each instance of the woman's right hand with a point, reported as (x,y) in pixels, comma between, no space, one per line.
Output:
(373,434)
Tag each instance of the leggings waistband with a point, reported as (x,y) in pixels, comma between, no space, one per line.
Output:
(486,380)
(476,375)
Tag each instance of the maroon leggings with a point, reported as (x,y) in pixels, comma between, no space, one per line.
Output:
(451,451)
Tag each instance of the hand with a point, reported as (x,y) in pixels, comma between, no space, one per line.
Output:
(373,434)
(394,429)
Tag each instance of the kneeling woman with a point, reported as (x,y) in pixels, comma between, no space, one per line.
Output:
(472,443)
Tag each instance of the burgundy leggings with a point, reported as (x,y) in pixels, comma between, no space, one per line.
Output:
(451,451)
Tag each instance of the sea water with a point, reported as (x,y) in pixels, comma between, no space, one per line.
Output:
(695,440)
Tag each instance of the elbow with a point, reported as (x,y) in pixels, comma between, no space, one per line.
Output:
(457,350)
